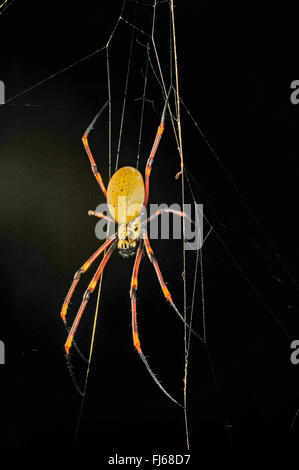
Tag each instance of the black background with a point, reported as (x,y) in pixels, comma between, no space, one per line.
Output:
(236,67)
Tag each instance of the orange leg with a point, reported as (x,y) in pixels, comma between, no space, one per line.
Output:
(100,215)
(136,341)
(164,288)
(86,297)
(134,286)
(172,211)
(88,151)
(82,270)
(150,160)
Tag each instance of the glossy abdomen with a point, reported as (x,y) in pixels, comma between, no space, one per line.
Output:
(125,194)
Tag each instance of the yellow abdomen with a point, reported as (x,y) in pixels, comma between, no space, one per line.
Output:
(125,194)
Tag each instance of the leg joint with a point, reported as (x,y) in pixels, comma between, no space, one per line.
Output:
(94,168)
(133,291)
(78,275)
(152,257)
(87,295)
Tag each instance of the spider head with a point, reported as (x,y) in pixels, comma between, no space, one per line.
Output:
(128,236)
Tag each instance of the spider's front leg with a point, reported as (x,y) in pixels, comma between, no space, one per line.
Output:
(150,160)
(95,171)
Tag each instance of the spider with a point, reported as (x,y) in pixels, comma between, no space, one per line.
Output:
(126,195)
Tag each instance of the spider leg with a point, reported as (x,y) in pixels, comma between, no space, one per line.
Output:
(150,160)
(136,341)
(86,297)
(88,151)
(164,288)
(172,211)
(100,215)
(82,270)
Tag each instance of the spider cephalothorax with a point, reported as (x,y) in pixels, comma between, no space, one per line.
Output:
(128,236)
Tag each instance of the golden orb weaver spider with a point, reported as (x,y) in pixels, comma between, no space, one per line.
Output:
(126,185)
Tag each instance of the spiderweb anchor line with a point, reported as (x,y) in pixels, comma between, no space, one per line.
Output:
(180,149)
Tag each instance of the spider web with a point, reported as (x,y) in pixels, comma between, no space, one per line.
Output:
(143,49)
(138,60)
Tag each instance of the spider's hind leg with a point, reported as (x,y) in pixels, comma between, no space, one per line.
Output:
(136,340)
(164,288)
